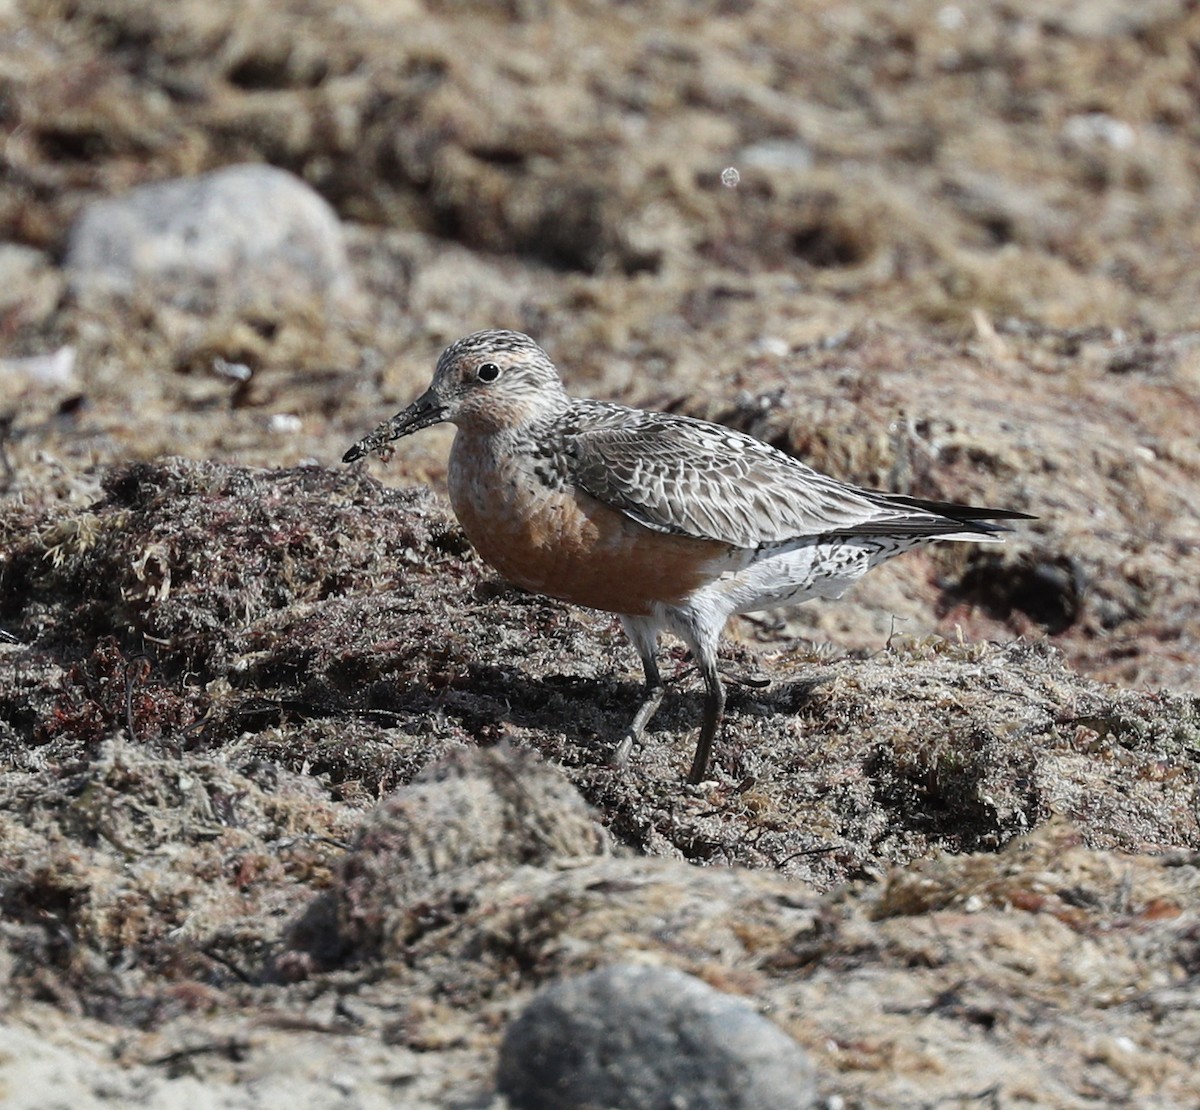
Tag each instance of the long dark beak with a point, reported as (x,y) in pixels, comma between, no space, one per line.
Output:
(423,412)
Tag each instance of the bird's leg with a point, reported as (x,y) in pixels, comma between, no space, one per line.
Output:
(645,643)
(653,699)
(714,713)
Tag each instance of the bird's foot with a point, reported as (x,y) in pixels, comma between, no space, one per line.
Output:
(619,756)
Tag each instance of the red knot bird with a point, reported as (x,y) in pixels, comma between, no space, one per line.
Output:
(671,523)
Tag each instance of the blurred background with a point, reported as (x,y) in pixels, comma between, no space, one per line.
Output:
(948,249)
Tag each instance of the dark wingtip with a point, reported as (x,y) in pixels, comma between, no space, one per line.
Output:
(967,514)
(355,452)
(983,519)
(1002,514)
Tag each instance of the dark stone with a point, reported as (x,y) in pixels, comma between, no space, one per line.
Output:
(649,1038)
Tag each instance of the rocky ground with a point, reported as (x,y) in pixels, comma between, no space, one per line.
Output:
(300,805)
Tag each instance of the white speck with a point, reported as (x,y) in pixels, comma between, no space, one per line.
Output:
(285,423)
(1099,128)
(778,154)
(48,370)
(730,177)
(774,347)
(234,371)
(973,904)
(950,17)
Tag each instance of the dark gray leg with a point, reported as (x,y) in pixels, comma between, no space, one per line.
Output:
(645,643)
(714,713)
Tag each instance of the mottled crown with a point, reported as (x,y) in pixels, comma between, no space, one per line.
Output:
(526,387)
(497,344)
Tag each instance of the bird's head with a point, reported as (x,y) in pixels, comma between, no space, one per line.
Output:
(485,382)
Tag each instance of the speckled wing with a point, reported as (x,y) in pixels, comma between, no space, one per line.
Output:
(674,474)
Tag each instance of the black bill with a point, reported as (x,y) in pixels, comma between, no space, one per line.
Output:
(423,412)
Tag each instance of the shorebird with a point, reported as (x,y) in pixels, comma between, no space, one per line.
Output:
(671,523)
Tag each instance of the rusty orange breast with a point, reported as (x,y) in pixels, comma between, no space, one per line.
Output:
(567,544)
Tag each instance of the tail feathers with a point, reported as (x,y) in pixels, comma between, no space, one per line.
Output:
(945,520)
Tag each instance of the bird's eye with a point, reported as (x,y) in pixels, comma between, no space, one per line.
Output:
(488,372)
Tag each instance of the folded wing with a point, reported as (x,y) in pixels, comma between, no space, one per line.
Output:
(674,474)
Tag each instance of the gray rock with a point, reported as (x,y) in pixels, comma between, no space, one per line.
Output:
(248,237)
(649,1038)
